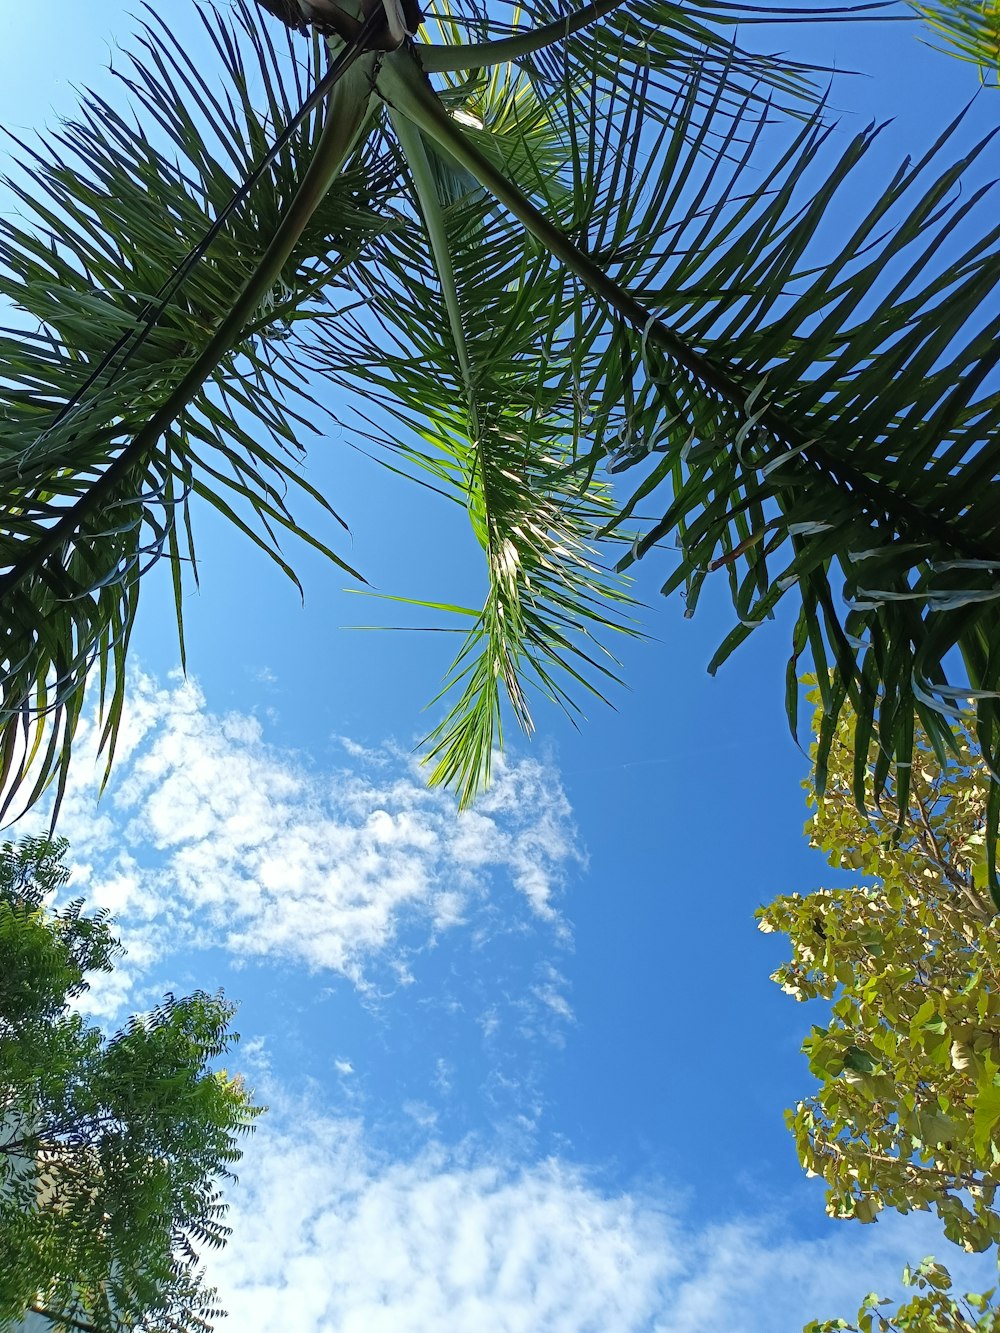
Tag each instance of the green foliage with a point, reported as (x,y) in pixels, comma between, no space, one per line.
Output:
(119,402)
(933,1308)
(111,1151)
(907,1115)
(970,30)
(544,254)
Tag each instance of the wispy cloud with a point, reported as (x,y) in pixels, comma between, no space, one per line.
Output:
(209,835)
(329,1234)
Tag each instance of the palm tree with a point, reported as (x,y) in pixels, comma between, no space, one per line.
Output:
(531,248)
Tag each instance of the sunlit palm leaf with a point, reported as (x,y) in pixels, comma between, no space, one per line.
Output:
(970,30)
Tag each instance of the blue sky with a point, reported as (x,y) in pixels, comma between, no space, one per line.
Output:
(526,1067)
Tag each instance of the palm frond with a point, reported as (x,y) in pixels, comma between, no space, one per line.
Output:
(822,422)
(98,471)
(829,428)
(465,339)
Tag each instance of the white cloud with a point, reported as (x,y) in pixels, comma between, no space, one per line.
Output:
(421,1113)
(255,1056)
(751,1276)
(549,991)
(329,1235)
(209,835)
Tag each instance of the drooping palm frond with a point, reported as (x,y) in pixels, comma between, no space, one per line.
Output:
(465,339)
(860,467)
(825,418)
(110,422)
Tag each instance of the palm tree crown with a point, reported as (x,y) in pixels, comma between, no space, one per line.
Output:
(531,248)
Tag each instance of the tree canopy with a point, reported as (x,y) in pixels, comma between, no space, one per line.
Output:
(934,1307)
(112,1151)
(907,1112)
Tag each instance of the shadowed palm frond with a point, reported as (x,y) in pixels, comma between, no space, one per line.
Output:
(113,417)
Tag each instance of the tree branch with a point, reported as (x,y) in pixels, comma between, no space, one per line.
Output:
(66,1320)
(948,872)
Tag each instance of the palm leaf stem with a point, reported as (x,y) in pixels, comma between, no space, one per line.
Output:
(412,144)
(349,108)
(480,55)
(404,87)
(448,59)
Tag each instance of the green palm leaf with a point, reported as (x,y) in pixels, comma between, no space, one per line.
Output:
(97,473)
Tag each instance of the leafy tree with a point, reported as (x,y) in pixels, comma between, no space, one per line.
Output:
(933,1308)
(111,1151)
(970,30)
(907,1114)
(543,248)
